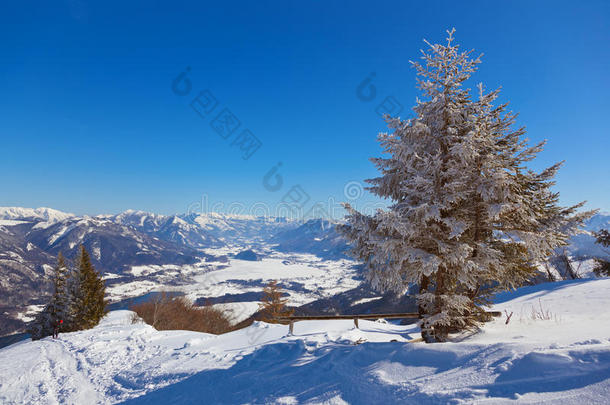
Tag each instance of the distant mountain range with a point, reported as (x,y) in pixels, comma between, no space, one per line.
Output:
(316,236)
(30,240)
(132,238)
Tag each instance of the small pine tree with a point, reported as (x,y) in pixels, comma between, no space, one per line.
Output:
(88,304)
(272,304)
(60,301)
(602,267)
(58,309)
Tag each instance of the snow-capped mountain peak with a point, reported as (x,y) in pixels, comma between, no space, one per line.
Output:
(38,214)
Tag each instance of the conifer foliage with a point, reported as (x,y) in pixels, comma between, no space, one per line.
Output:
(468,217)
(88,304)
(77,301)
(272,304)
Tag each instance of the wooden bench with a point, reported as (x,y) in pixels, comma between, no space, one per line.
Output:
(407,315)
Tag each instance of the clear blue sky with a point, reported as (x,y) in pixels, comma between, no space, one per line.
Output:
(90,123)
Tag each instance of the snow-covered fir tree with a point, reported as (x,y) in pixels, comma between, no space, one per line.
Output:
(468,218)
(58,309)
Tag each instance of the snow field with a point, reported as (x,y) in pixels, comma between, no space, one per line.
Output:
(564,359)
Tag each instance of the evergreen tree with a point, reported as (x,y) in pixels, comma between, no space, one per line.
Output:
(88,305)
(60,301)
(58,308)
(468,217)
(272,304)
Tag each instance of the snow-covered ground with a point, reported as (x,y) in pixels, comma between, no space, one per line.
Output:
(555,349)
(304,277)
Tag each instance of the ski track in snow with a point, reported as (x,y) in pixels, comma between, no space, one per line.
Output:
(562,360)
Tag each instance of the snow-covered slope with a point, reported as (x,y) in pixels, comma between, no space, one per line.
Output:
(23,272)
(564,358)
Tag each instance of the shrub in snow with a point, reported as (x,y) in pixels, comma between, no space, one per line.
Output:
(167,312)
(468,216)
(540,313)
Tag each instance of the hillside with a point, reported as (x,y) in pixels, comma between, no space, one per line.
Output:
(564,358)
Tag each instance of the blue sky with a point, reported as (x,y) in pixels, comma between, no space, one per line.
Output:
(90,123)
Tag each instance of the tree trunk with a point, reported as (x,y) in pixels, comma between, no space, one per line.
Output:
(440,332)
(569,269)
(426,333)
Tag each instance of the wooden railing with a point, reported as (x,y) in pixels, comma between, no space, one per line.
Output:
(407,315)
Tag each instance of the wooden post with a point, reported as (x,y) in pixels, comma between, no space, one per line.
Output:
(291,328)
(356,322)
